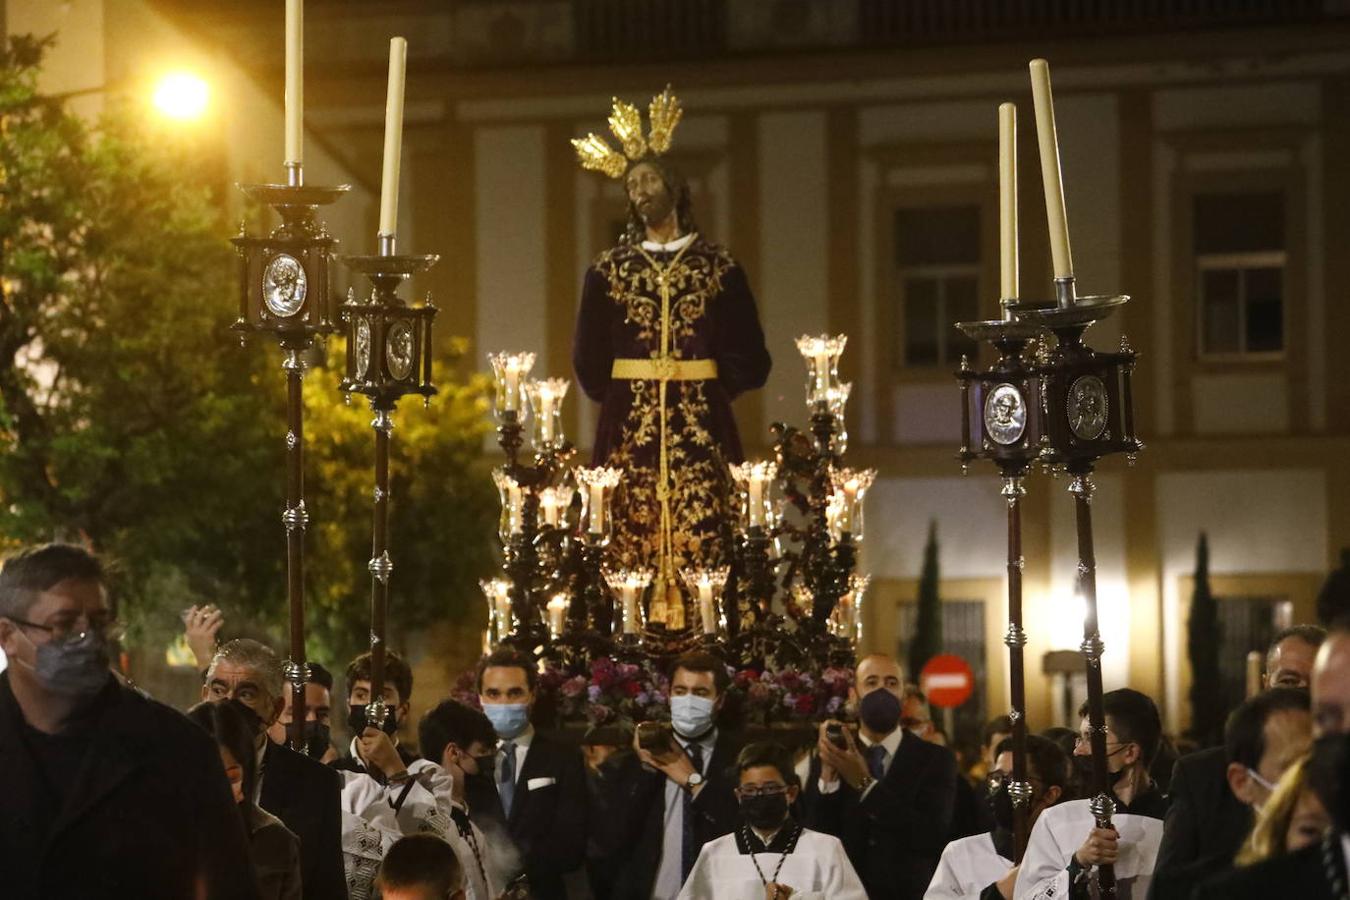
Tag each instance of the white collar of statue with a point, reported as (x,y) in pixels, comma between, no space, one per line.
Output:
(625,122)
(674,246)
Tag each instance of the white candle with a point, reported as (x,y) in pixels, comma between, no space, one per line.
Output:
(630,610)
(756,489)
(557,607)
(545,416)
(1050,171)
(551,503)
(295,81)
(504,612)
(822,368)
(512,373)
(597,525)
(705,608)
(393,139)
(517,508)
(1007,206)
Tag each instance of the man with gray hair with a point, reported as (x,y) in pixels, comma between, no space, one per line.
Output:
(302,793)
(106,792)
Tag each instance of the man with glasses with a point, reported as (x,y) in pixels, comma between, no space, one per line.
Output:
(770,855)
(106,793)
(981,865)
(1066,847)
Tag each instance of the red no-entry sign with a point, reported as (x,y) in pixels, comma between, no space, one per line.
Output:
(947,680)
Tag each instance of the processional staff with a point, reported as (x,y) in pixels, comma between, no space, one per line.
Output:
(388,357)
(284,290)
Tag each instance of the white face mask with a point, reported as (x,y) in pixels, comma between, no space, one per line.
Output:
(1270,788)
(691,715)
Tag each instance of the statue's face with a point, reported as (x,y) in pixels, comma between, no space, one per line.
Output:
(648,193)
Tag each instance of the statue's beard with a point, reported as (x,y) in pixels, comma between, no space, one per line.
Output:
(654,211)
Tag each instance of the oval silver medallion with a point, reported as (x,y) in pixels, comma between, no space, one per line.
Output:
(1005,414)
(284,285)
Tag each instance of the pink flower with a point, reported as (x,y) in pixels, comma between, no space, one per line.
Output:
(806,704)
(574,687)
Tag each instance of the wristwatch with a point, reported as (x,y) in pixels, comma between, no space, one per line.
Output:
(693,781)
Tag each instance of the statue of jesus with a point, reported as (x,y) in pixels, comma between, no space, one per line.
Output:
(667,336)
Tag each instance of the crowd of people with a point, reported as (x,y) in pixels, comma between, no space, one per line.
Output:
(109,793)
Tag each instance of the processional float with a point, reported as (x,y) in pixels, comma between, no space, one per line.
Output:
(1064,407)
(788,595)
(284,290)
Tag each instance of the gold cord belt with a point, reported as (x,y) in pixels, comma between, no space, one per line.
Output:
(663,368)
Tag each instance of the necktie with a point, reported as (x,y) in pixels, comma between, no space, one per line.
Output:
(690,846)
(876,757)
(506,785)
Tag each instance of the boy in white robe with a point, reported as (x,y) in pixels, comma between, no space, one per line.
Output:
(981,865)
(770,856)
(1066,847)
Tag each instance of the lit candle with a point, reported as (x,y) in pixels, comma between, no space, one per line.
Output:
(393,137)
(517,507)
(512,384)
(756,501)
(851,485)
(834,511)
(551,502)
(597,524)
(557,608)
(295,82)
(595,482)
(705,608)
(1007,203)
(630,610)
(1050,170)
(754,475)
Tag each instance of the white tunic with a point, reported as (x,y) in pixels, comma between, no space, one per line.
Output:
(968,866)
(1061,830)
(371,825)
(816,869)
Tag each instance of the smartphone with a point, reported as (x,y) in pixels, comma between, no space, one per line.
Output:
(654,737)
(834,733)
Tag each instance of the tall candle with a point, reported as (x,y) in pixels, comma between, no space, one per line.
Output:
(630,610)
(705,608)
(597,503)
(295,82)
(756,488)
(545,416)
(557,607)
(393,137)
(517,508)
(1050,171)
(1007,203)
(512,373)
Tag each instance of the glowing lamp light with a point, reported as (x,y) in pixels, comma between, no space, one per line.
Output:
(182,96)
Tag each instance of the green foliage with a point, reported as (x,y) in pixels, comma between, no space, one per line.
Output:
(1203,634)
(131,420)
(927,640)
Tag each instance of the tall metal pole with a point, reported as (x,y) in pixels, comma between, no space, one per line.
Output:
(381,567)
(295,518)
(1103,800)
(1020,787)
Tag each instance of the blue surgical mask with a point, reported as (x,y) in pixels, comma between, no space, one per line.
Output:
(508,719)
(691,715)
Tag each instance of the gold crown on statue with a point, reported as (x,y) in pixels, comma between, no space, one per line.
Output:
(625,121)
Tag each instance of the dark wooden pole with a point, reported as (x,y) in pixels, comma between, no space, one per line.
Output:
(1016,639)
(295,518)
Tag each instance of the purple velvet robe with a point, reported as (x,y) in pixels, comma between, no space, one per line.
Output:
(712,316)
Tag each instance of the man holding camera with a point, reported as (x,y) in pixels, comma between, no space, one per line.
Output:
(887,795)
(660,805)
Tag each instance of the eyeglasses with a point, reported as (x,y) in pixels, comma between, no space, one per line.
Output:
(762,790)
(65,630)
(997,778)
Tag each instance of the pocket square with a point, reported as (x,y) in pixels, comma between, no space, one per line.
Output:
(535,784)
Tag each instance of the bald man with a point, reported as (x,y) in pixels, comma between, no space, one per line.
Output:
(886,794)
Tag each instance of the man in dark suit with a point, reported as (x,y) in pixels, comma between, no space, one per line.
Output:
(541,784)
(889,800)
(303,793)
(107,794)
(658,807)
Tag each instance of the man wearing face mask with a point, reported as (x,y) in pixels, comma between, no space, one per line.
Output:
(1263,737)
(770,856)
(377,750)
(1066,846)
(98,781)
(300,791)
(658,807)
(887,795)
(981,865)
(540,783)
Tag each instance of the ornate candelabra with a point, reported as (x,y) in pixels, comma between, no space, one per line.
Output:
(388,357)
(787,594)
(283,291)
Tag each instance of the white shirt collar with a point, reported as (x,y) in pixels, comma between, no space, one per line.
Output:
(891,741)
(672,247)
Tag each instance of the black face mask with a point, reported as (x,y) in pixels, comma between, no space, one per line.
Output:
(765,812)
(318,738)
(1082,771)
(356,719)
(880,711)
(1001,806)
